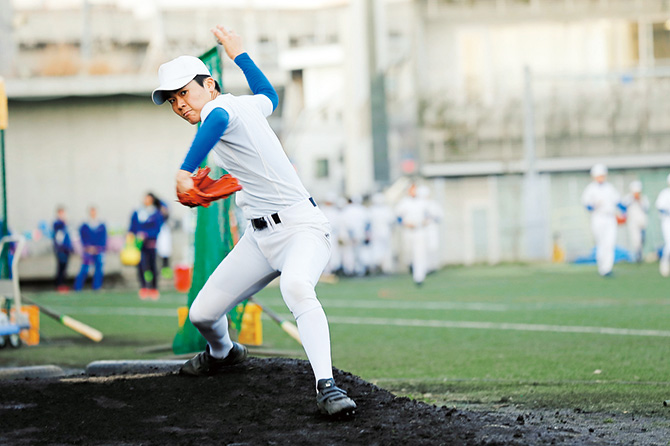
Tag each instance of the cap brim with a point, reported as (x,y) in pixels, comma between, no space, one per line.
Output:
(158,95)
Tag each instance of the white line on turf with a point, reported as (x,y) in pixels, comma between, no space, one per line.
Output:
(168,312)
(119,311)
(496,326)
(408,305)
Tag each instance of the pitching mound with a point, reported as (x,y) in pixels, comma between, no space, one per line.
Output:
(264,401)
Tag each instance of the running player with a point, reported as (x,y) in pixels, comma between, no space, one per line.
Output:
(602,200)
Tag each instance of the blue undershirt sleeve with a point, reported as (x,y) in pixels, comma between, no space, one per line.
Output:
(257,81)
(209,133)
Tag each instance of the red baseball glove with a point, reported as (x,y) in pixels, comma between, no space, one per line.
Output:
(205,190)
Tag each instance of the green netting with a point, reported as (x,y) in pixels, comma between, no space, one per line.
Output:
(213,241)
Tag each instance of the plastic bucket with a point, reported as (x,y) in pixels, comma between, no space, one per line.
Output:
(183,275)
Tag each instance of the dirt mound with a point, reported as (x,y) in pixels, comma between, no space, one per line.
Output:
(261,402)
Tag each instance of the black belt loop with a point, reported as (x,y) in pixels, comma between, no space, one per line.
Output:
(261,223)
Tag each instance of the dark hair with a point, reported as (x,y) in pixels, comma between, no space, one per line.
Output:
(200,79)
(154,198)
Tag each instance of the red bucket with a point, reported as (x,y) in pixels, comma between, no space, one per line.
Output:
(183,276)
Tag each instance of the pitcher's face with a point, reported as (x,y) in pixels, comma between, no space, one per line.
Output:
(189,101)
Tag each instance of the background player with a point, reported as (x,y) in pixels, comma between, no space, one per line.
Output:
(93,234)
(382,221)
(413,213)
(637,208)
(602,200)
(663,206)
(62,244)
(288,234)
(145,224)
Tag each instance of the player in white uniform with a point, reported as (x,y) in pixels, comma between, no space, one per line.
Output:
(288,235)
(637,208)
(334,215)
(355,224)
(413,213)
(382,221)
(663,206)
(602,200)
(435,216)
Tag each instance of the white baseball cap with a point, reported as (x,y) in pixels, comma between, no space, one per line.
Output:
(636,186)
(598,170)
(175,74)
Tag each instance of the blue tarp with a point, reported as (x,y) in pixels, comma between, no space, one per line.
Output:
(620,255)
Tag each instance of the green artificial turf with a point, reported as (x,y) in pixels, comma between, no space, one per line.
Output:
(544,336)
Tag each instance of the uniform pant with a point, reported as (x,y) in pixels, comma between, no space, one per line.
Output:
(353,257)
(298,249)
(95,260)
(636,233)
(604,231)
(148,265)
(665,258)
(416,238)
(62,259)
(381,253)
(433,246)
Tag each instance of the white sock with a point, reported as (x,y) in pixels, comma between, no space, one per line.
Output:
(218,338)
(315,337)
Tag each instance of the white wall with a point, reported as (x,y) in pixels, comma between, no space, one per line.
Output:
(489,59)
(106,151)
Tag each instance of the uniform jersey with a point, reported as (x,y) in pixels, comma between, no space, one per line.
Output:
(251,152)
(413,211)
(663,203)
(601,198)
(93,234)
(636,209)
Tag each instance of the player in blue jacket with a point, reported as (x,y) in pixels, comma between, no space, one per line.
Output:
(145,225)
(62,248)
(93,235)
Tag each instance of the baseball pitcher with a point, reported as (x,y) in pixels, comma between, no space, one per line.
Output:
(287,234)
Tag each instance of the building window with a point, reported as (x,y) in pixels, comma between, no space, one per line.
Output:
(322,168)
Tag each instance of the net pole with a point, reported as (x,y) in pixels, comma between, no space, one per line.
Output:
(4,118)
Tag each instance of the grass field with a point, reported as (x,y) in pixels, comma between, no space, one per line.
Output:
(540,336)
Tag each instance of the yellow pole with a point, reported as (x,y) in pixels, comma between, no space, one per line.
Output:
(3,106)
(4,256)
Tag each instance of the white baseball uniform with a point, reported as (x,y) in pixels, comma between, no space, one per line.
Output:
(636,219)
(334,216)
(663,206)
(355,222)
(414,213)
(435,215)
(295,242)
(602,200)
(382,221)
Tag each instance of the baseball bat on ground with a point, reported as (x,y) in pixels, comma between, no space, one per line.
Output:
(73,324)
(285,325)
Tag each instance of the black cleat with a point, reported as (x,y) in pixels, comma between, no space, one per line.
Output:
(333,401)
(204,364)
